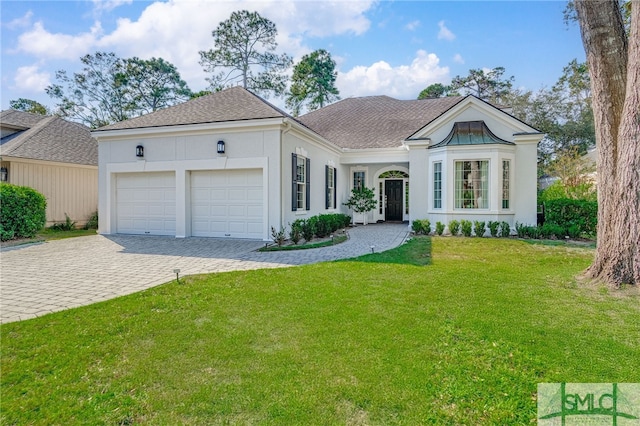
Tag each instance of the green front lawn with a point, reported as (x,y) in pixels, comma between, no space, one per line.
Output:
(463,340)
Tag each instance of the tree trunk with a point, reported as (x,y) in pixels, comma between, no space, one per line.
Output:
(614,65)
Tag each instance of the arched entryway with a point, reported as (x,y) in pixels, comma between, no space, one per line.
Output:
(393,192)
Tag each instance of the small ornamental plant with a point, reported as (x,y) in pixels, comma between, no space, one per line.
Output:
(362,200)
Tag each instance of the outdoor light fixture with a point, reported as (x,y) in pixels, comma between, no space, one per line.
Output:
(4,174)
(220,147)
(140,151)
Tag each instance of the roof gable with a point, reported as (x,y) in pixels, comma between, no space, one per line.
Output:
(233,104)
(374,121)
(53,139)
(478,109)
(470,133)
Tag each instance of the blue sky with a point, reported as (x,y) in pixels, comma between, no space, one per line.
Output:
(393,48)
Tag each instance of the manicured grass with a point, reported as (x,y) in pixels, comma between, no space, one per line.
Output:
(464,340)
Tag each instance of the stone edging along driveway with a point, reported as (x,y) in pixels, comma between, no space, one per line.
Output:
(42,278)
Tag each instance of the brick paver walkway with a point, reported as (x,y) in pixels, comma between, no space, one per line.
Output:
(38,279)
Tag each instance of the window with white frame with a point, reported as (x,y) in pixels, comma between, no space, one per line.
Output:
(437,185)
(358,179)
(330,177)
(506,166)
(300,193)
(472,184)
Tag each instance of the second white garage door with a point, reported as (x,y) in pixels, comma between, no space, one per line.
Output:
(227,203)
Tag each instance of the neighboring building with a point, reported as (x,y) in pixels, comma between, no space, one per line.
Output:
(54,156)
(232,165)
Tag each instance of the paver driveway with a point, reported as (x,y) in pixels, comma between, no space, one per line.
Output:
(57,275)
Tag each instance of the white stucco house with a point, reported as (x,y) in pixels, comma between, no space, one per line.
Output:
(232,165)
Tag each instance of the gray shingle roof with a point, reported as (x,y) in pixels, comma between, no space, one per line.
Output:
(51,138)
(233,104)
(375,121)
(19,119)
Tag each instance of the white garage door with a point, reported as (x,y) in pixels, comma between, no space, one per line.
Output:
(146,203)
(227,203)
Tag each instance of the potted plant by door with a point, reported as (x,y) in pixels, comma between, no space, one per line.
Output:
(362,201)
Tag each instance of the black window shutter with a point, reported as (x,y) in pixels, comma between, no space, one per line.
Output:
(335,187)
(308,184)
(327,202)
(294,186)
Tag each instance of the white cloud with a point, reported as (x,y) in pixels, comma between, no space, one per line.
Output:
(108,5)
(445,33)
(31,79)
(458,59)
(404,81)
(413,25)
(177,30)
(43,44)
(22,22)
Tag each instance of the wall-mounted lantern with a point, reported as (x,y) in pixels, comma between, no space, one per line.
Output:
(220,147)
(140,151)
(4,174)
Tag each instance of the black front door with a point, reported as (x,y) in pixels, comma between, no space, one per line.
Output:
(393,194)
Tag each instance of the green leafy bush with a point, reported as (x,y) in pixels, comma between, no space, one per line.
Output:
(551,230)
(67,225)
(505,229)
(22,211)
(454,227)
(493,227)
(296,231)
(479,228)
(466,227)
(309,228)
(439,228)
(92,223)
(421,226)
(580,215)
(527,231)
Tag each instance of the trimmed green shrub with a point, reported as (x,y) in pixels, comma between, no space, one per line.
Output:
(551,230)
(296,231)
(454,227)
(479,228)
(505,229)
(309,228)
(426,226)
(466,227)
(439,228)
(493,227)
(581,215)
(527,231)
(22,211)
(416,226)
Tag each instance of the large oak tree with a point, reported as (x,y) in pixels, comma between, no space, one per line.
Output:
(613,56)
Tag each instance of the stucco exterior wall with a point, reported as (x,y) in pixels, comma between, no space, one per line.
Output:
(183,152)
(69,189)
(296,143)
